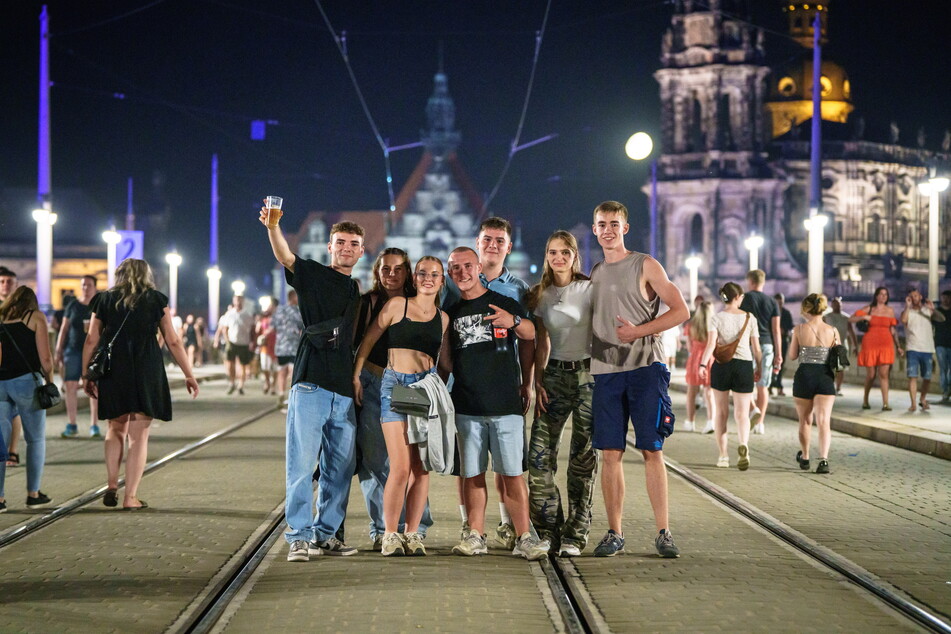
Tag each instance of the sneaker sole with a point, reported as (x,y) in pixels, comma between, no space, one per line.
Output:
(744,462)
(462,553)
(395,553)
(597,554)
(336,553)
(419,552)
(530,556)
(39,506)
(298,558)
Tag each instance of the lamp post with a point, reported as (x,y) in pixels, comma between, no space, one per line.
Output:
(214,302)
(111,238)
(932,189)
(815,225)
(693,263)
(753,244)
(174,261)
(638,147)
(45,219)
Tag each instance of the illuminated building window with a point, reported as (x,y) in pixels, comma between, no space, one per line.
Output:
(826,84)
(787,86)
(847,89)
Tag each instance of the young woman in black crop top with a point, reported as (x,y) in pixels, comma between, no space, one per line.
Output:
(415,327)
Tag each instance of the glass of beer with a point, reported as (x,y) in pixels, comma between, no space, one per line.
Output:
(273,206)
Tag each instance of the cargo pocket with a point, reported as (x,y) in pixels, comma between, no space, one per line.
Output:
(665,409)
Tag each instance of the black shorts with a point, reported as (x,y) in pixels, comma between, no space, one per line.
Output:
(285,360)
(737,375)
(813,379)
(242,353)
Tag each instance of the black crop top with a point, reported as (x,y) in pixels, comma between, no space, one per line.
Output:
(422,336)
(14,365)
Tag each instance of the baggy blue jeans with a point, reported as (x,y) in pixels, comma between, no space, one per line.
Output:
(16,396)
(320,425)
(944,367)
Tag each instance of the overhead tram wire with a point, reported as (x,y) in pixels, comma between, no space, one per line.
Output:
(341,43)
(115,18)
(539,37)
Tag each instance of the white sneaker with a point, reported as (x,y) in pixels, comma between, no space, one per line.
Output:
(414,545)
(472,544)
(297,551)
(531,547)
(723,462)
(688,426)
(569,550)
(754,412)
(505,535)
(759,428)
(392,545)
(708,428)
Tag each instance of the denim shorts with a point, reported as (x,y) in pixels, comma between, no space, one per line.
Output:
(391,378)
(72,365)
(640,396)
(918,364)
(502,436)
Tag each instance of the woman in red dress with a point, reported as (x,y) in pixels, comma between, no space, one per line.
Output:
(696,330)
(877,350)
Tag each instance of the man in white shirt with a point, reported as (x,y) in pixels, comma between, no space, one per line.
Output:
(234,328)
(919,345)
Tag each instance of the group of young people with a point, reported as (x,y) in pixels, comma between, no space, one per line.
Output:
(582,347)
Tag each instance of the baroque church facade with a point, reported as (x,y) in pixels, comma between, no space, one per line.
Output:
(733,163)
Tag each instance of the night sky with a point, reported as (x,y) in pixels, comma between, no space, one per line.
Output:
(194,73)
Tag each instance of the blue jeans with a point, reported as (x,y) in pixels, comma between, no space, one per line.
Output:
(944,367)
(16,396)
(320,426)
(374,462)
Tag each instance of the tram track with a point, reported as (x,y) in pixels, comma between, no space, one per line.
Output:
(827,558)
(69,507)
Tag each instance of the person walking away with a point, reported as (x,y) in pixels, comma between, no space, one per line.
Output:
(877,350)
(288,326)
(917,318)
(415,336)
(265,340)
(813,384)
(321,422)
(561,303)
(785,331)
(942,341)
(766,311)
(26,361)
(135,390)
(738,375)
(69,354)
(840,321)
(630,380)
(191,341)
(487,398)
(698,331)
(235,328)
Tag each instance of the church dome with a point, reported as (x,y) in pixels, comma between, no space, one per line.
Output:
(793,82)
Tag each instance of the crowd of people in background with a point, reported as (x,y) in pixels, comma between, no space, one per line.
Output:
(484,347)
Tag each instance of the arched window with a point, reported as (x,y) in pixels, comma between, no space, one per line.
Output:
(724,125)
(696,234)
(695,137)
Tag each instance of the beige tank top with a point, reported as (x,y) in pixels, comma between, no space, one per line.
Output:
(616,291)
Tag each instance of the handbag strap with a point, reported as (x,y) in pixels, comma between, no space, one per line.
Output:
(33,372)
(113,340)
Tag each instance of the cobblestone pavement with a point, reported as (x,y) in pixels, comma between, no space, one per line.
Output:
(884,508)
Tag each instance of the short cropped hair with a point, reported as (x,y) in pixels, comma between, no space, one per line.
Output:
(348,227)
(610,207)
(496,223)
(91,278)
(461,249)
(756,277)
(5,272)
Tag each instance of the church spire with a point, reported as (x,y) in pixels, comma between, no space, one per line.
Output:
(441,138)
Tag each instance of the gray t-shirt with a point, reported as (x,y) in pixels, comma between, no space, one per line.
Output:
(566,314)
(616,291)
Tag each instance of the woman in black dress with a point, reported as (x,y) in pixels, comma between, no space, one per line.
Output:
(136,389)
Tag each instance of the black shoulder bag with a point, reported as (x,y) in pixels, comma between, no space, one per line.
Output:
(101,361)
(327,334)
(45,395)
(862,326)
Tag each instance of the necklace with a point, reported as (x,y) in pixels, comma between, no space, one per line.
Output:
(560,294)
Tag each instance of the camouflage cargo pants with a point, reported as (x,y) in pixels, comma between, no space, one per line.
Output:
(569,394)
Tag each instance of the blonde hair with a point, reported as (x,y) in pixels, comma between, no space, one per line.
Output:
(815,304)
(20,302)
(548,276)
(610,207)
(133,279)
(699,320)
(757,277)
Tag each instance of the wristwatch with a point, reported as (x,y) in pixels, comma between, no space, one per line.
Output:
(516,320)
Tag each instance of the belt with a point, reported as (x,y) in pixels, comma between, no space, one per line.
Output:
(570,365)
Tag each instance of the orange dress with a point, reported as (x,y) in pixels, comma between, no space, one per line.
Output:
(693,361)
(878,347)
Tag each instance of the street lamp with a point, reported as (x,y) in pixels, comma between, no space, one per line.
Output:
(174,261)
(693,263)
(815,225)
(45,219)
(112,239)
(753,244)
(238,287)
(933,189)
(638,148)
(214,302)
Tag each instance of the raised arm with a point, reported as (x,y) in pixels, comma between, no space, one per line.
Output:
(279,245)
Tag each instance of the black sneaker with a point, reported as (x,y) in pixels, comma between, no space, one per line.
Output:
(232,388)
(610,545)
(41,499)
(823,467)
(664,543)
(803,464)
(3,507)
